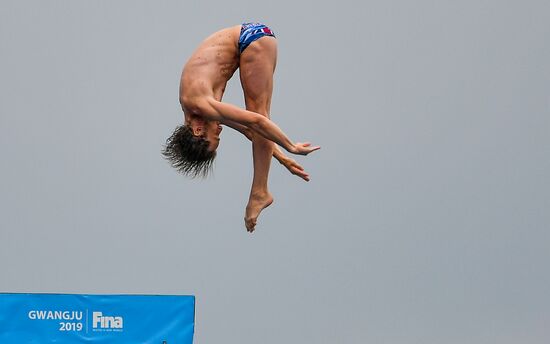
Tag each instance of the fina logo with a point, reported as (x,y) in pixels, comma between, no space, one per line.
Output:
(106,322)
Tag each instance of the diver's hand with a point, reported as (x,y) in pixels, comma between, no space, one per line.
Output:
(295,168)
(303,148)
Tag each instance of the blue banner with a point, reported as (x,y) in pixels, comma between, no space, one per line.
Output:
(72,318)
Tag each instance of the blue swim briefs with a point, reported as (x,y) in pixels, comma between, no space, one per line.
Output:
(251,32)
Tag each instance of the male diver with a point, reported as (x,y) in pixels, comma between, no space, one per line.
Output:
(191,148)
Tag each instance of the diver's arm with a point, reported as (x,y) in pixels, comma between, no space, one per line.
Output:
(291,165)
(214,110)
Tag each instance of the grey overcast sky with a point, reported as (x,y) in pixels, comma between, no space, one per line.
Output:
(427,218)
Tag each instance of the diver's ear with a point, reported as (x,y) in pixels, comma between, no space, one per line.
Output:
(197,130)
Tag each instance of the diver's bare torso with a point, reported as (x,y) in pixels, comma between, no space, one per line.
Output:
(209,68)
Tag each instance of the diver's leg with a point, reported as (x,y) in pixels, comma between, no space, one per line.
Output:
(257,65)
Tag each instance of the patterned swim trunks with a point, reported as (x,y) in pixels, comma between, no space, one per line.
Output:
(251,32)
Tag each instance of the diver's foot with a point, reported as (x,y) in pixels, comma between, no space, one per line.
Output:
(256,203)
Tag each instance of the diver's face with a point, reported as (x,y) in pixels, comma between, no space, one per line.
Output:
(211,132)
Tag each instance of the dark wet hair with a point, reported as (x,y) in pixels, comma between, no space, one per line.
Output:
(188,153)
